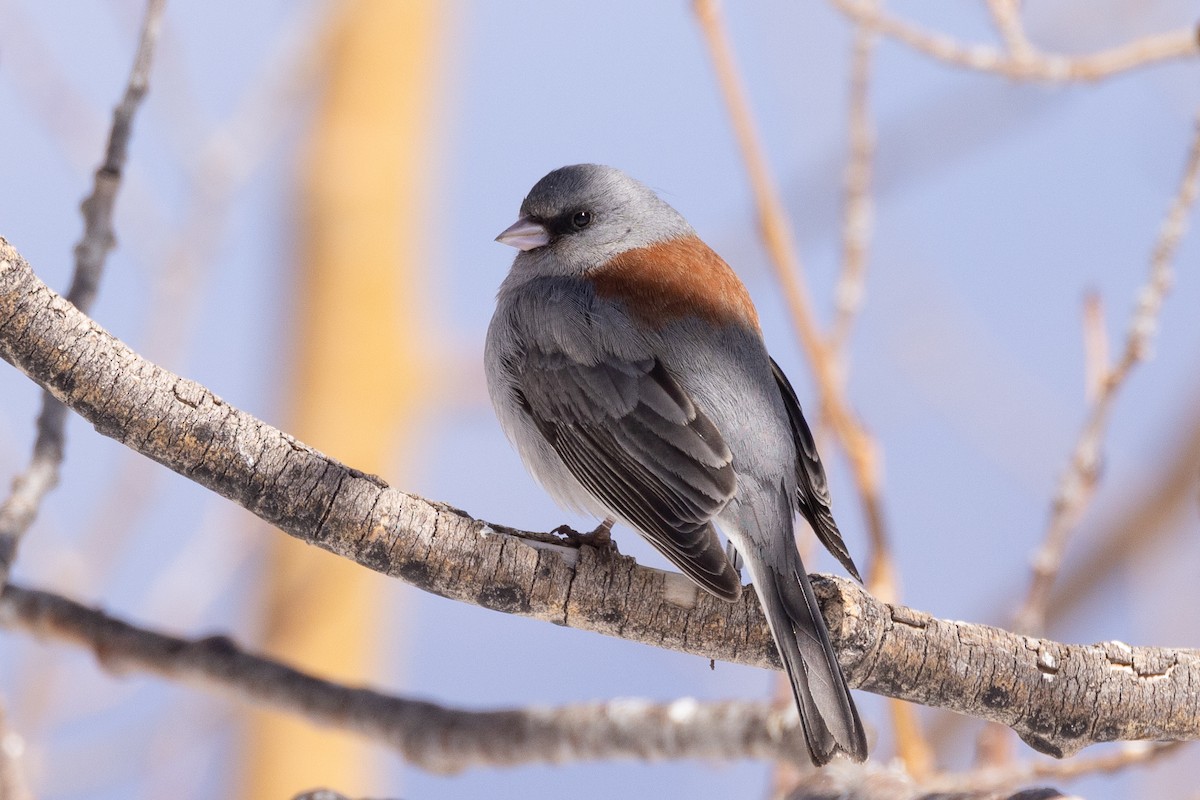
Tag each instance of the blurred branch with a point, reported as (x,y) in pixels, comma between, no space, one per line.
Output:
(12,777)
(858,445)
(857,224)
(1001,779)
(857,209)
(431,736)
(1006,16)
(1095,347)
(888,781)
(41,474)
(1032,65)
(218,167)
(1143,523)
(1078,483)
(446,740)
(1059,698)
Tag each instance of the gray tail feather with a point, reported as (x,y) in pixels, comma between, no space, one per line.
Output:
(827,712)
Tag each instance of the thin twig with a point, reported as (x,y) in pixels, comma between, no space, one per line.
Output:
(1006,16)
(857,217)
(218,168)
(12,777)
(1035,67)
(857,223)
(777,235)
(41,475)
(1078,482)
(431,736)
(1007,778)
(1143,525)
(1095,347)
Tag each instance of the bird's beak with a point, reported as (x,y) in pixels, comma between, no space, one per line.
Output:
(525,234)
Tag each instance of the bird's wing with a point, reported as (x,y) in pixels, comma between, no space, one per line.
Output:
(632,436)
(812,489)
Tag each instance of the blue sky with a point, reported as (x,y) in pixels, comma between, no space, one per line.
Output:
(998,205)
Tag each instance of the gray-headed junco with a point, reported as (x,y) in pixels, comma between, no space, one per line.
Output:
(626,363)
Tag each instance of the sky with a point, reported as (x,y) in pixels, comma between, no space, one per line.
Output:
(998,206)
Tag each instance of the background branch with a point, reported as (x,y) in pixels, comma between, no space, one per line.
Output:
(1028,65)
(1078,482)
(41,475)
(428,735)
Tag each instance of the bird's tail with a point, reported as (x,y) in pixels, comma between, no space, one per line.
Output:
(827,713)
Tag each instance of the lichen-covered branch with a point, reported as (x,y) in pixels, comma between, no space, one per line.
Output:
(1058,697)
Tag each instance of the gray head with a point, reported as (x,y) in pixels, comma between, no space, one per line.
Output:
(578,217)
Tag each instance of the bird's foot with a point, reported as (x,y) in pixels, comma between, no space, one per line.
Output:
(600,538)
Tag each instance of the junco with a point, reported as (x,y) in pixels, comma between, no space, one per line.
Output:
(626,363)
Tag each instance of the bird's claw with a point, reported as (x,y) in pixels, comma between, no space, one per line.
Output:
(600,538)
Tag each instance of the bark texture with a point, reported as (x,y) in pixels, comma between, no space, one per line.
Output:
(1057,697)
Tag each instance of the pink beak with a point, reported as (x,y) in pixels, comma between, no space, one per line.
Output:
(525,234)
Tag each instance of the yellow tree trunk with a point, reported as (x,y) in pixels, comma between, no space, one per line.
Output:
(358,378)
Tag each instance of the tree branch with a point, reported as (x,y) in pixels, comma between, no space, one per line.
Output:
(428,735)
(1078,482)
(1030,65)
(1058,697)
(41,475)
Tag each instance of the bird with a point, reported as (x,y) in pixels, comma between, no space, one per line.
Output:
(626,364)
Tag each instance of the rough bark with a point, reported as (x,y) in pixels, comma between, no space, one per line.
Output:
(1057,697)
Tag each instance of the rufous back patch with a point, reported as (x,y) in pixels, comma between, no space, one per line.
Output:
(674,279)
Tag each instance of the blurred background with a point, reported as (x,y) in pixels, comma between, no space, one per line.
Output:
(306,228)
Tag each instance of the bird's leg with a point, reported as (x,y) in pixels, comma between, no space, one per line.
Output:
(735,558)
(600,538)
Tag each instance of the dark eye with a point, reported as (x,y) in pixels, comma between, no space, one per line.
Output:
(581,219)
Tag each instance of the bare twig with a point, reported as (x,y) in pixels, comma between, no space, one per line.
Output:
(12,776)
(857,216)
(889,781)
(432,736)
(1078,482)
(857,223)
(1035,66)
(41,474)
(1007,778)
(221,164)
(1095,347)
(1143,525)
(777,235)
(1006,15)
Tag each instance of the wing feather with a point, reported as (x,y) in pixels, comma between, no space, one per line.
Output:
(631,435)
(812,488)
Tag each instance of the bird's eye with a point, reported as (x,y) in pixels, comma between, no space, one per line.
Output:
(581,219)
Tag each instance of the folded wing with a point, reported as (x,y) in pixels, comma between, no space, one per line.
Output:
(812,489)
(633,437)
